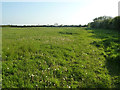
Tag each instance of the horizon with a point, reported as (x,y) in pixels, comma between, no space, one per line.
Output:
(66,13)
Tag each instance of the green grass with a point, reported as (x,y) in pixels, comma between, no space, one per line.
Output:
(52,57)
(0,57)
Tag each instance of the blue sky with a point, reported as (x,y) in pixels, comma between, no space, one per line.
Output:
(75,12)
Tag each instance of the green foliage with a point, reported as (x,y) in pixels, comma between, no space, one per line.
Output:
(52,57)
(110,42)
(106,22)
(116,22)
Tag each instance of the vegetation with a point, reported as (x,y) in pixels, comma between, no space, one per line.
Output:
(56,25)
(106,22)
(0,58)
(66,57)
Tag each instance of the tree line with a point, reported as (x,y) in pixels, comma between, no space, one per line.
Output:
(105,22)
(102,22)
(44,25)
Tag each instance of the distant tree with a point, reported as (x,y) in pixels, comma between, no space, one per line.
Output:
(80,25)
(55,24)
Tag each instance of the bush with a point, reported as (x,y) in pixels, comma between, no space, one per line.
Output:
(106,22)
(116,23)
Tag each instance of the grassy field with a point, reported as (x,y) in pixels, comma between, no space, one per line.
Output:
(52,57)
(0,57)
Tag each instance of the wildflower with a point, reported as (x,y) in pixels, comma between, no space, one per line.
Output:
(63,78)
(32,75)
(7,68)
(36,85)
(69,87)
(46,76)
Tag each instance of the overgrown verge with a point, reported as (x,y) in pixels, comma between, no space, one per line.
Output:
(110,42)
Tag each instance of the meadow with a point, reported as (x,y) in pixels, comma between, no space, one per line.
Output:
(0,57)
(60,57)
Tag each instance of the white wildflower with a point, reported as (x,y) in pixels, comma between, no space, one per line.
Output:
(36,85)
(32,75)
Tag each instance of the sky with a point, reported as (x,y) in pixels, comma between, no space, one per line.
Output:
(66,12)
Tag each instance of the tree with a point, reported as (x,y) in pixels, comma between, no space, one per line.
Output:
(101,22)
(55,24)
(116,23)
